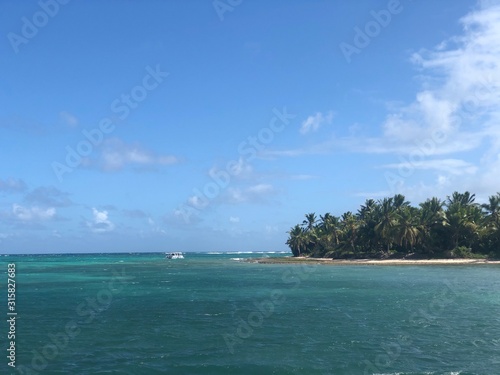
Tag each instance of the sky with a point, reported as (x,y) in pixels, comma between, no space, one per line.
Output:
(130,126)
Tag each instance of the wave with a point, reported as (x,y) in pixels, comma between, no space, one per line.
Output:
(258,252)
(241,252)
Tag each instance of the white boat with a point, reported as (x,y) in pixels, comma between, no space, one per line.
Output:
(176,255)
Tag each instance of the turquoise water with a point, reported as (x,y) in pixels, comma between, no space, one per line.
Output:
(214,314)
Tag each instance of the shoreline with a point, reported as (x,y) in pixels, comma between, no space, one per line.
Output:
(375,262)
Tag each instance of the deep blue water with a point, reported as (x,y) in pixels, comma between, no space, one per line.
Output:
(214,314)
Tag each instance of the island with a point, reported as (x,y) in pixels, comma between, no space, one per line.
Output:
(392,231)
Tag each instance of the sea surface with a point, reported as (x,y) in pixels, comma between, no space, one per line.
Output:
(215,313)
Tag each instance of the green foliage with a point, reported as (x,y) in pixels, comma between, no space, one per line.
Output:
(461,252)
(391,227)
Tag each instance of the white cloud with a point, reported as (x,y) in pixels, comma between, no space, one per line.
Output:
(451,166)
(235,170)
(183,217)
(313,123)
(458,102)
(240,169)
(456,110)
(101,222)
(252,194)
(260,189)
(12,185)
(234,219)
(68,119)
(373,194)
(322,148)
(33,213)
(236,195)
(462,89)
(115,155)
(461,77)
(197,202)
(285,153)
(48,196)
(487,181)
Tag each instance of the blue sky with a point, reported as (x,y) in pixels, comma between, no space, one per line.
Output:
(216,125)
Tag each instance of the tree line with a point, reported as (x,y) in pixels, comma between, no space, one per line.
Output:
(392,227)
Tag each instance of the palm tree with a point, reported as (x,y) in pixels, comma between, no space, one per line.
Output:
(350,227)
(368,210)
(310,221)
(367,215)
(432,212)
(311,231)
(399,202)
(330,226)
(464,218)
(463,223)
(297,240)
(465,199)
(491,233)
(436,225)
(492,209)
(406,231)
(432,221)
(387,221)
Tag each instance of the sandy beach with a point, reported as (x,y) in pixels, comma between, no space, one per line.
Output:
(376,262)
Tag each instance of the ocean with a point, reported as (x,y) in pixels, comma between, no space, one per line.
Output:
(215,313)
